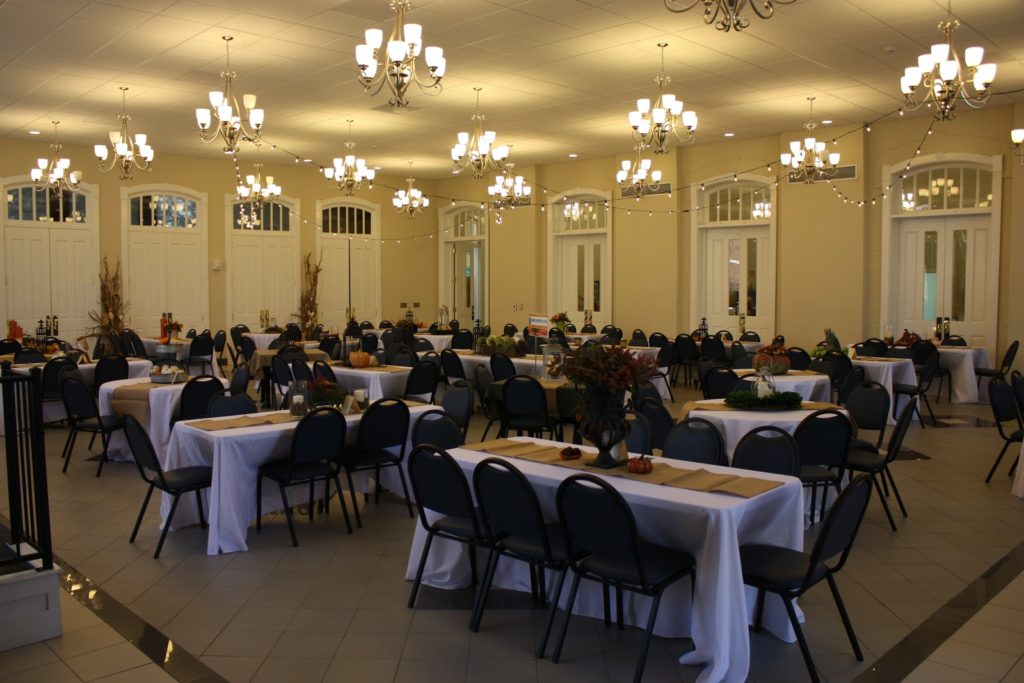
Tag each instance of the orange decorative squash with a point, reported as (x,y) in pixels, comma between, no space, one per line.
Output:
(359,359)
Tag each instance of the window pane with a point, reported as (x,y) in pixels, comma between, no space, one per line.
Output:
(984,188)
(959,273)
(597,277)
(969,189)
(752,276)
(931,285)
(581,274)
(953,188)
(734,276)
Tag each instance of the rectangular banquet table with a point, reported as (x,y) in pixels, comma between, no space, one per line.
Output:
(710,526)
(385,380)
(181,355)
(262,340)
(961,361)
(887,371)
(236,455)
(157,409)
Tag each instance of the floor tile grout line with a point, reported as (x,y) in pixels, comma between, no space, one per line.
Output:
(915,648)
(167,654)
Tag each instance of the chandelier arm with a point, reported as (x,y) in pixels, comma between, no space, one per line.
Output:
(669,5)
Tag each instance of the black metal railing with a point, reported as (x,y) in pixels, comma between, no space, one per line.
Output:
(25,455)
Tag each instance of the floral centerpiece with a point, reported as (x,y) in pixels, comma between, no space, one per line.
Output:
(829,345)
(500,343)
(774,357)
(560,320)
(603,374)
(323,392)
(173,329)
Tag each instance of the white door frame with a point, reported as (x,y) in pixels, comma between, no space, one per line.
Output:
(375,234)
(92,210)
(891,175)
(202,220)
(444,242)
(554,288)
(230,200)
(698,238)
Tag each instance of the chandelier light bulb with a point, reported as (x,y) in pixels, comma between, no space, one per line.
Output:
(234,124)
(808,160)
(53,173)
(477,150)
(396,67)
(655,122)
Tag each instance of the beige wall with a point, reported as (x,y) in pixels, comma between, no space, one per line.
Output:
(828,252)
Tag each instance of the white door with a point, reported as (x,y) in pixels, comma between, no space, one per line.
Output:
(467,272)
(942,273)
(582,274)
(350,281)
(265,275)
(737,280)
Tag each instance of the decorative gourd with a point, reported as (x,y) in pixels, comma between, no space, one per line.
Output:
(359,359)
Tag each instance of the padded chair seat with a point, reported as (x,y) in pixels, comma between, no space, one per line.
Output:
(533,547)
(189,478)
(103,423)
(987,372)
(865,461)
(371,457)
(460,527)
(898,388)
(777,568)
(661,565)
(815,474)
(862,445)
(278,470)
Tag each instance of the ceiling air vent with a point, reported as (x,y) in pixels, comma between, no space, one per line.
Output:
(665,188)
(842,173)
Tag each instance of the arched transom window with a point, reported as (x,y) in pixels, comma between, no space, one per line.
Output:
(739,202)
(945,187)
(582,212)
(162,211)
(30,203)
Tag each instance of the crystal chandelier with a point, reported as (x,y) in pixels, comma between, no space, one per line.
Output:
(939,78)
(477,151)
(396,64)
(255,193)
(636,179)
(1017,137)
(807,160)
(729,10)
(231,128)
(348,172)
(129,152)
(53,173)
(509,191)
(653,125)
(410,202)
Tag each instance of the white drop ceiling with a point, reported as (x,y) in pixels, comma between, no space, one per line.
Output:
(558,76)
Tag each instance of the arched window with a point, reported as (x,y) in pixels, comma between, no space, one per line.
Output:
(945,187)
(273,217)
(465,221)
(581,212)
(30,203)
(346,220)
(161,210)
(735,201)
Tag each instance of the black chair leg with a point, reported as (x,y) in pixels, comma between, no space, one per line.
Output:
(341,500)
(474,576)
(312,485)
(646,645)
(142,513)
(541,586)
(895,491)
(405,489)
(759,610)
(69,446)
(551,614)
(419,570)
(288,515)
(376,486)
(485,588)
(199,506)
(618,608)
(167,526)
(573,589)
(885,505)
(927,405)
(259,502)
(607,604)
(105,440)
(845,617)
(355,501)
(814,500)
(804,650)
(987,479)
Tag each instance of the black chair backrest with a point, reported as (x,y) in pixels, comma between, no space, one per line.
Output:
(387,337)
(900,352)
(502,367)
(191,334)
(368,343)
(196,395)
(143,451)
(236,404)
(724,335)
(421,344)
(768,449)
(658,419)
(740,357)
(439,485)
(822,365)
(799,359)
(319,437)
(322,370)
(644,391)
(366,325)
(110,368)
(608,329)
(52,373)
(666,355)
(437,428)
(463,339)
(524,396)
(422,380)
(402,356)
(138,349)
(839,530)
(281,372)
(9,346)
(900,430)
(453,325)
(301,371)
(695,440)
(26,355)
(292,332)
(638,338)
(1017,382)
(483,379)
(868,405)
(508,504)
(750,336)
(638,436)
(873,347)
(712,348)
(852,381)
(220,340)
(556,336)
(509,330)
(291,352)
(922,350)
(686,348)
(719,382)
(931,366)
(588,328)
(1003,402)
(239,380)
(657,339)
(597,521)
(954,340)
(385,424)
(1011,353)
(248,348)
(841,365)
(569,327)
(78,400)
(328,343)
(824,438)
(385,324)
(451,365)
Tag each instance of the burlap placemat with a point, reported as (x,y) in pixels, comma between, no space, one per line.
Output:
(690,406)
(713,482)
(133,399)
(242,421)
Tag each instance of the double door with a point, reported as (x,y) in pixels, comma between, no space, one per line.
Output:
(467,264)
(582,278)
(738,289)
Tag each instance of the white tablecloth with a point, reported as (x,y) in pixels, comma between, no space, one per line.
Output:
(961,361)
(887,372)
(236,455)
(815,387)
(183,350)
(263,339)
(1018,480)
(709,526)
(163,405)
(378,384)
(734,424)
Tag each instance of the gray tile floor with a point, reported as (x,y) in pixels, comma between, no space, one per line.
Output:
(334,608)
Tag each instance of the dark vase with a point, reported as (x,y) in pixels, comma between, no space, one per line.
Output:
(604,423)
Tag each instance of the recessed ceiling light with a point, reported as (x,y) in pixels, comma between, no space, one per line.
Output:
(826,122)
(307,161)
(33,132)
(729,135)
(376,168)
(573,155)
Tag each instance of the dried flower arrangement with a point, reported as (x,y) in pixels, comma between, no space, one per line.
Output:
(109,321)
(308,304)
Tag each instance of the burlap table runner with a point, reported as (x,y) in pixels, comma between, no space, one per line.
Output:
(243,421)
(384,368)
(748,372)
(721,407)
(660,474)
(879,359)
(133,399)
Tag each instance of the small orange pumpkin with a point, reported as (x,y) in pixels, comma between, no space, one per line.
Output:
(359,359)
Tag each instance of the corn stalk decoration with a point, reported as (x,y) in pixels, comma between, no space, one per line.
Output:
(109,321)
(308,298)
